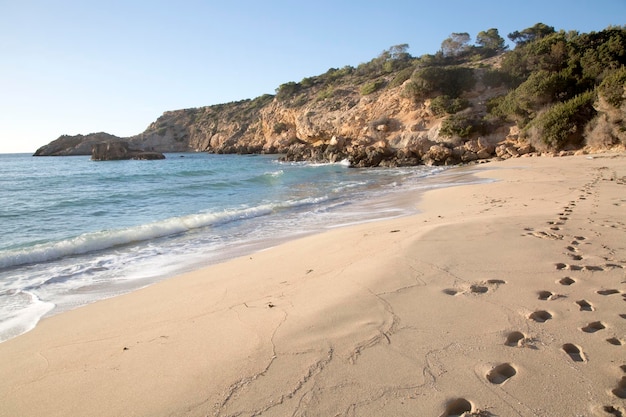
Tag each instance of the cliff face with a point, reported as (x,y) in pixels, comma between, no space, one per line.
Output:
(325,124)
(399,110)
(74,145)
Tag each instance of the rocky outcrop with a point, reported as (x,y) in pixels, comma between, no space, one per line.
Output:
(380,129)
(119,150)
(328,121)
(74,145)
(320,123)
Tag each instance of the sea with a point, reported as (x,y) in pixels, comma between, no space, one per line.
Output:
(74,231)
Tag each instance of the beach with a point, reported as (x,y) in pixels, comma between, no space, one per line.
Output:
(502,298)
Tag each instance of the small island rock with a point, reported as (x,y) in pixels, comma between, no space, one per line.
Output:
(119,150)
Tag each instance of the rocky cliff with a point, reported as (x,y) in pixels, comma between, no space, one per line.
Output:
(318,123)
(400,110)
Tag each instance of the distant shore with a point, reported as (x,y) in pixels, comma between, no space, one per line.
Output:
(500,298)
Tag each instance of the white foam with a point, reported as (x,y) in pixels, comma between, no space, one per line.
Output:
(97,241)
(91,242)
(22,315)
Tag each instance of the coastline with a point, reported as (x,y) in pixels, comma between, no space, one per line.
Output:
(436,313)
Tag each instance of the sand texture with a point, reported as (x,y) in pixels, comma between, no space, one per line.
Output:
(505,298)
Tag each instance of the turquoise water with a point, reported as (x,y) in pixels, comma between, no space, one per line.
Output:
(73,231)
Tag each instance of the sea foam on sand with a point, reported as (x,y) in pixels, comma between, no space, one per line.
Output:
(503,299)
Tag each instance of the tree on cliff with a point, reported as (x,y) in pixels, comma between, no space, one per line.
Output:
(456,44)
(530,34)
(491,41)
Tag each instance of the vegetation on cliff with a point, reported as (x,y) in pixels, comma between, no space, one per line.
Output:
(553,91)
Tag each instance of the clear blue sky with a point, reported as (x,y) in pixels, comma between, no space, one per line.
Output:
(72,67)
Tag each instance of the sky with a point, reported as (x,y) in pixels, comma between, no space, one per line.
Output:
(80,66)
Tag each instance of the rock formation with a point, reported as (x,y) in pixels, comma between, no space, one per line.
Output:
(379,129)
(115,150)
(399,110)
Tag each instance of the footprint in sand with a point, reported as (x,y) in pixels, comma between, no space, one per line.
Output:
(614,341)
(584,305)
(514,339)
(543,235)
(501,373)
(574,352)
(476,288)
(593,268)
(620,390)
(544,295)
(571,249)
(566,281)
(593,327)
(540,316)
(457,407)
(609,409)
(561,266)
(608,292)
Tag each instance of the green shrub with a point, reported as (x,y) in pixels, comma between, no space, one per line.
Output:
(326,93)
(457,126)
(371,87)
(563,123)
(299,100)
(540,89)
(442,105)
(496,78)
(287,90)
(449,81)
(401,77)
(613,87)
(414,90)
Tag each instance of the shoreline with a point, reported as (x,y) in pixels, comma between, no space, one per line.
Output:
(439,312)
(100,259)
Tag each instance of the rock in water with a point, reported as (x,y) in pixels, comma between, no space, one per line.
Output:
(119,150)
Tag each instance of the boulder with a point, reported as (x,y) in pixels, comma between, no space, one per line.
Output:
(119,150)
(437,155)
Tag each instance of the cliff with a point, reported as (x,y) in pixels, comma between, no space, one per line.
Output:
(473,103)
(321,122)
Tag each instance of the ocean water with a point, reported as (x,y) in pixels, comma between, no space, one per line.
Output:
(73,231)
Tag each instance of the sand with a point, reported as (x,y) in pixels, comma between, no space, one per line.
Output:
(504,298)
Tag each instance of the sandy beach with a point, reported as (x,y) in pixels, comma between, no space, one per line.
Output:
(505,298)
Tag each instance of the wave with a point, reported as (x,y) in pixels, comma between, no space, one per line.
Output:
(343,162)
(107,239)
(20,313)
(267,178)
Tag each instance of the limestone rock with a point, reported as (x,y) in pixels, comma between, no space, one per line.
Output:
(119,150)
(74,145)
